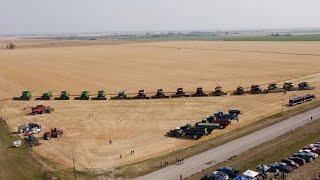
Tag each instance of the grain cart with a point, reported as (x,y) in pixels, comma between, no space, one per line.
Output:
(64,95)
(41,109)
(305,86)
(273,88)
(179,93)
(122,95)
(46,96)
(25,96)
(85,95)
(53,133)
(32,140)
(199,93)
(239,91)
(101,96)
(159,95)
(196,132)
(288,86)
(255,89)
(141,95)
(218,92)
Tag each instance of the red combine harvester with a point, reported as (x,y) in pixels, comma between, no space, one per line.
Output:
(41,109)
(53,133)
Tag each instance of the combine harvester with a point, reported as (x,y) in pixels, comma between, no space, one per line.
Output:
(255,89)
(101,96)
(199,93)
(41,109)
(25,96)
(273,88)
(45,96)
(239,91)
(122,95)
(218,92)
(288,86)
(305,86)
(64,95)
(141,95)
(85,95)
(159,95)
(179,94)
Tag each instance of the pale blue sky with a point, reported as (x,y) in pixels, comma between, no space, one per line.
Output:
(58,16)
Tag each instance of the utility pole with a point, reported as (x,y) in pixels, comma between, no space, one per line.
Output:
(282,104)
(74,168)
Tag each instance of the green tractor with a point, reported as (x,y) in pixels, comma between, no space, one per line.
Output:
(46,96)
(85,95)
(64,95)
(101,96)
(25,96)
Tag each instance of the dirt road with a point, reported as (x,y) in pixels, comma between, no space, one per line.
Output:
(221,153)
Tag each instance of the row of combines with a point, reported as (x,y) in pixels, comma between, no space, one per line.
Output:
(273,88)
(122,95)
(218,120)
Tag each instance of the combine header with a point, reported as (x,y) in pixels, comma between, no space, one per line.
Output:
(141,95)
(122,95)
(218,91)
(199,93)
(46,96)
(85,95)
(159,95)
(179,93)
(255,89)
(239,91)
(41,109)
(305,86)
(101,96)
(25,96)
(64,95)
(288,86)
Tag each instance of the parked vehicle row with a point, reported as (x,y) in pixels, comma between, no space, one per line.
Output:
(218,120)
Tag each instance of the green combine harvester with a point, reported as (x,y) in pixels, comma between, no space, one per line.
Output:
(64,95)
(25,96)
(101,96)
(122,95)
(85,95)
(46,96)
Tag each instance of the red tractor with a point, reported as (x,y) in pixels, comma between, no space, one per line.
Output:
(53,133)
(41,109)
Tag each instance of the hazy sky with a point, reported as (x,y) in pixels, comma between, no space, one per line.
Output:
(58,16)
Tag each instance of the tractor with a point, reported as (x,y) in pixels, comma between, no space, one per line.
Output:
(255,89)
(53,133)
(101,96)
(25,96)
(239,91)
(159,95)
(199,93)
(178,131)
(85,95)
(288,86)
(218,91)
(273,88)
(64,95)
(122,95)
(179,93)
(41,109)
(141,95)
(46,96)
(305,86)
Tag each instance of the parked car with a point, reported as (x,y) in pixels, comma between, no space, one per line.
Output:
(308,151)
(290,163)
(232,173)
(263,169)
(315,150)
(298,160)
(304,156)
(216,175)
(282,167)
